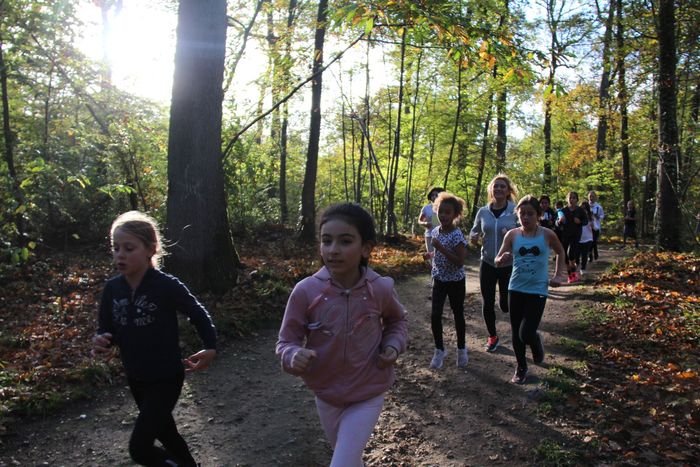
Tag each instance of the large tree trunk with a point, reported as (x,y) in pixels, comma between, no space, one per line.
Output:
(203,255)
(667,207)
(307,223)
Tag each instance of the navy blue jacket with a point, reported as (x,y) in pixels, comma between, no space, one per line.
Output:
(145,325)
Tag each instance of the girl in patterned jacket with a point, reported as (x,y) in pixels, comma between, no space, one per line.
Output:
(342,331)
(448,276)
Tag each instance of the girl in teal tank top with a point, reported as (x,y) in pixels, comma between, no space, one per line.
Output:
(528,248)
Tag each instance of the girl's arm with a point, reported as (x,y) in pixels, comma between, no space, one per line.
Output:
(505,254)
(559,277)
(188,305)
(395,332)
(102,340)
(455,257)
(475,231)
(294,358)
(394,319)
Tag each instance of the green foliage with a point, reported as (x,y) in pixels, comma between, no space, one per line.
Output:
(552,453)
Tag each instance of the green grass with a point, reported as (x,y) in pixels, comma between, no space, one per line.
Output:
(552,453)
(592,315)
(559,383)
(573,346)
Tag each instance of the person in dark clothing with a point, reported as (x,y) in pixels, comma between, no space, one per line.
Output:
(548,216)
(630,228)
(571,220)
(138,313)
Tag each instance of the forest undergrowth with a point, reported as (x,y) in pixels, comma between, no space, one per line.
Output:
(638,397)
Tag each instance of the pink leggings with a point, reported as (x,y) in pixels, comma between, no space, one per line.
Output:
(348,428)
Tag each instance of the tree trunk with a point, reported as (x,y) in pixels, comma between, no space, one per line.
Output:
(482,161)
(458,113)
(501,107)
(407,216)
(667,205)
(307,223)
(547,131)
(287,82)
(9,137)
(622,98)
(392,224)
(203,255)
(604,89)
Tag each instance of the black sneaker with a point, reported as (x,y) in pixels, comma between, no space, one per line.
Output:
(538,349)
(520,376)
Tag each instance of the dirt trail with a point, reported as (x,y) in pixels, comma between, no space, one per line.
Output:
(246,412)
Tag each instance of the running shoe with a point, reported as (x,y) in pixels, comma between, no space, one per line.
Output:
(492,344)
(520,376)
(462,358)
(438,358)
(538,349)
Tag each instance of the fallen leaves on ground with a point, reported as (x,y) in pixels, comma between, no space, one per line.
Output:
(642,392)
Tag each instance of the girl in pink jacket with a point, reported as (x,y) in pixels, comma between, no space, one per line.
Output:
(342,331)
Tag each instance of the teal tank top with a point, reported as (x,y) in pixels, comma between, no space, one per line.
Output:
(530,265)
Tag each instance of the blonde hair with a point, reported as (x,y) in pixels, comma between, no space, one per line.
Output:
(512,188)
(143,227)
(456,202)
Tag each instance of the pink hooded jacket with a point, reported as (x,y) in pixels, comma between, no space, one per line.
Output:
(347,328)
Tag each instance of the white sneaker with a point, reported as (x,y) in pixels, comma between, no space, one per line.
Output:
(438,358)
(462,358)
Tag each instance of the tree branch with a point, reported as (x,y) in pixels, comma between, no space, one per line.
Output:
(246,127)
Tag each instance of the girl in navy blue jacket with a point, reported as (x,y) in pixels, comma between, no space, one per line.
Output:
(138,314)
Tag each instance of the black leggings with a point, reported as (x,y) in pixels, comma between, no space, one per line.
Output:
(594,246)
(525,315)
(156,401)
(571,248)
(456,291)
(584,249)
(489,276)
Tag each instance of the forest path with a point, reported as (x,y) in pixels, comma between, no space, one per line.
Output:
(245,411)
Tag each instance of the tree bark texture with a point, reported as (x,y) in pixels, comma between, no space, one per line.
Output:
(307,223)
(667,202)
(202,255)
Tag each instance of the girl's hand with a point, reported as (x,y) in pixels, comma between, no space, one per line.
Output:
(558,280)
(428,255)
(101,345)
(504,258)
(301,361)
(199,361)
(387,357)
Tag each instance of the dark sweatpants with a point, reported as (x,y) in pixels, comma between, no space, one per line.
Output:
(156,401)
